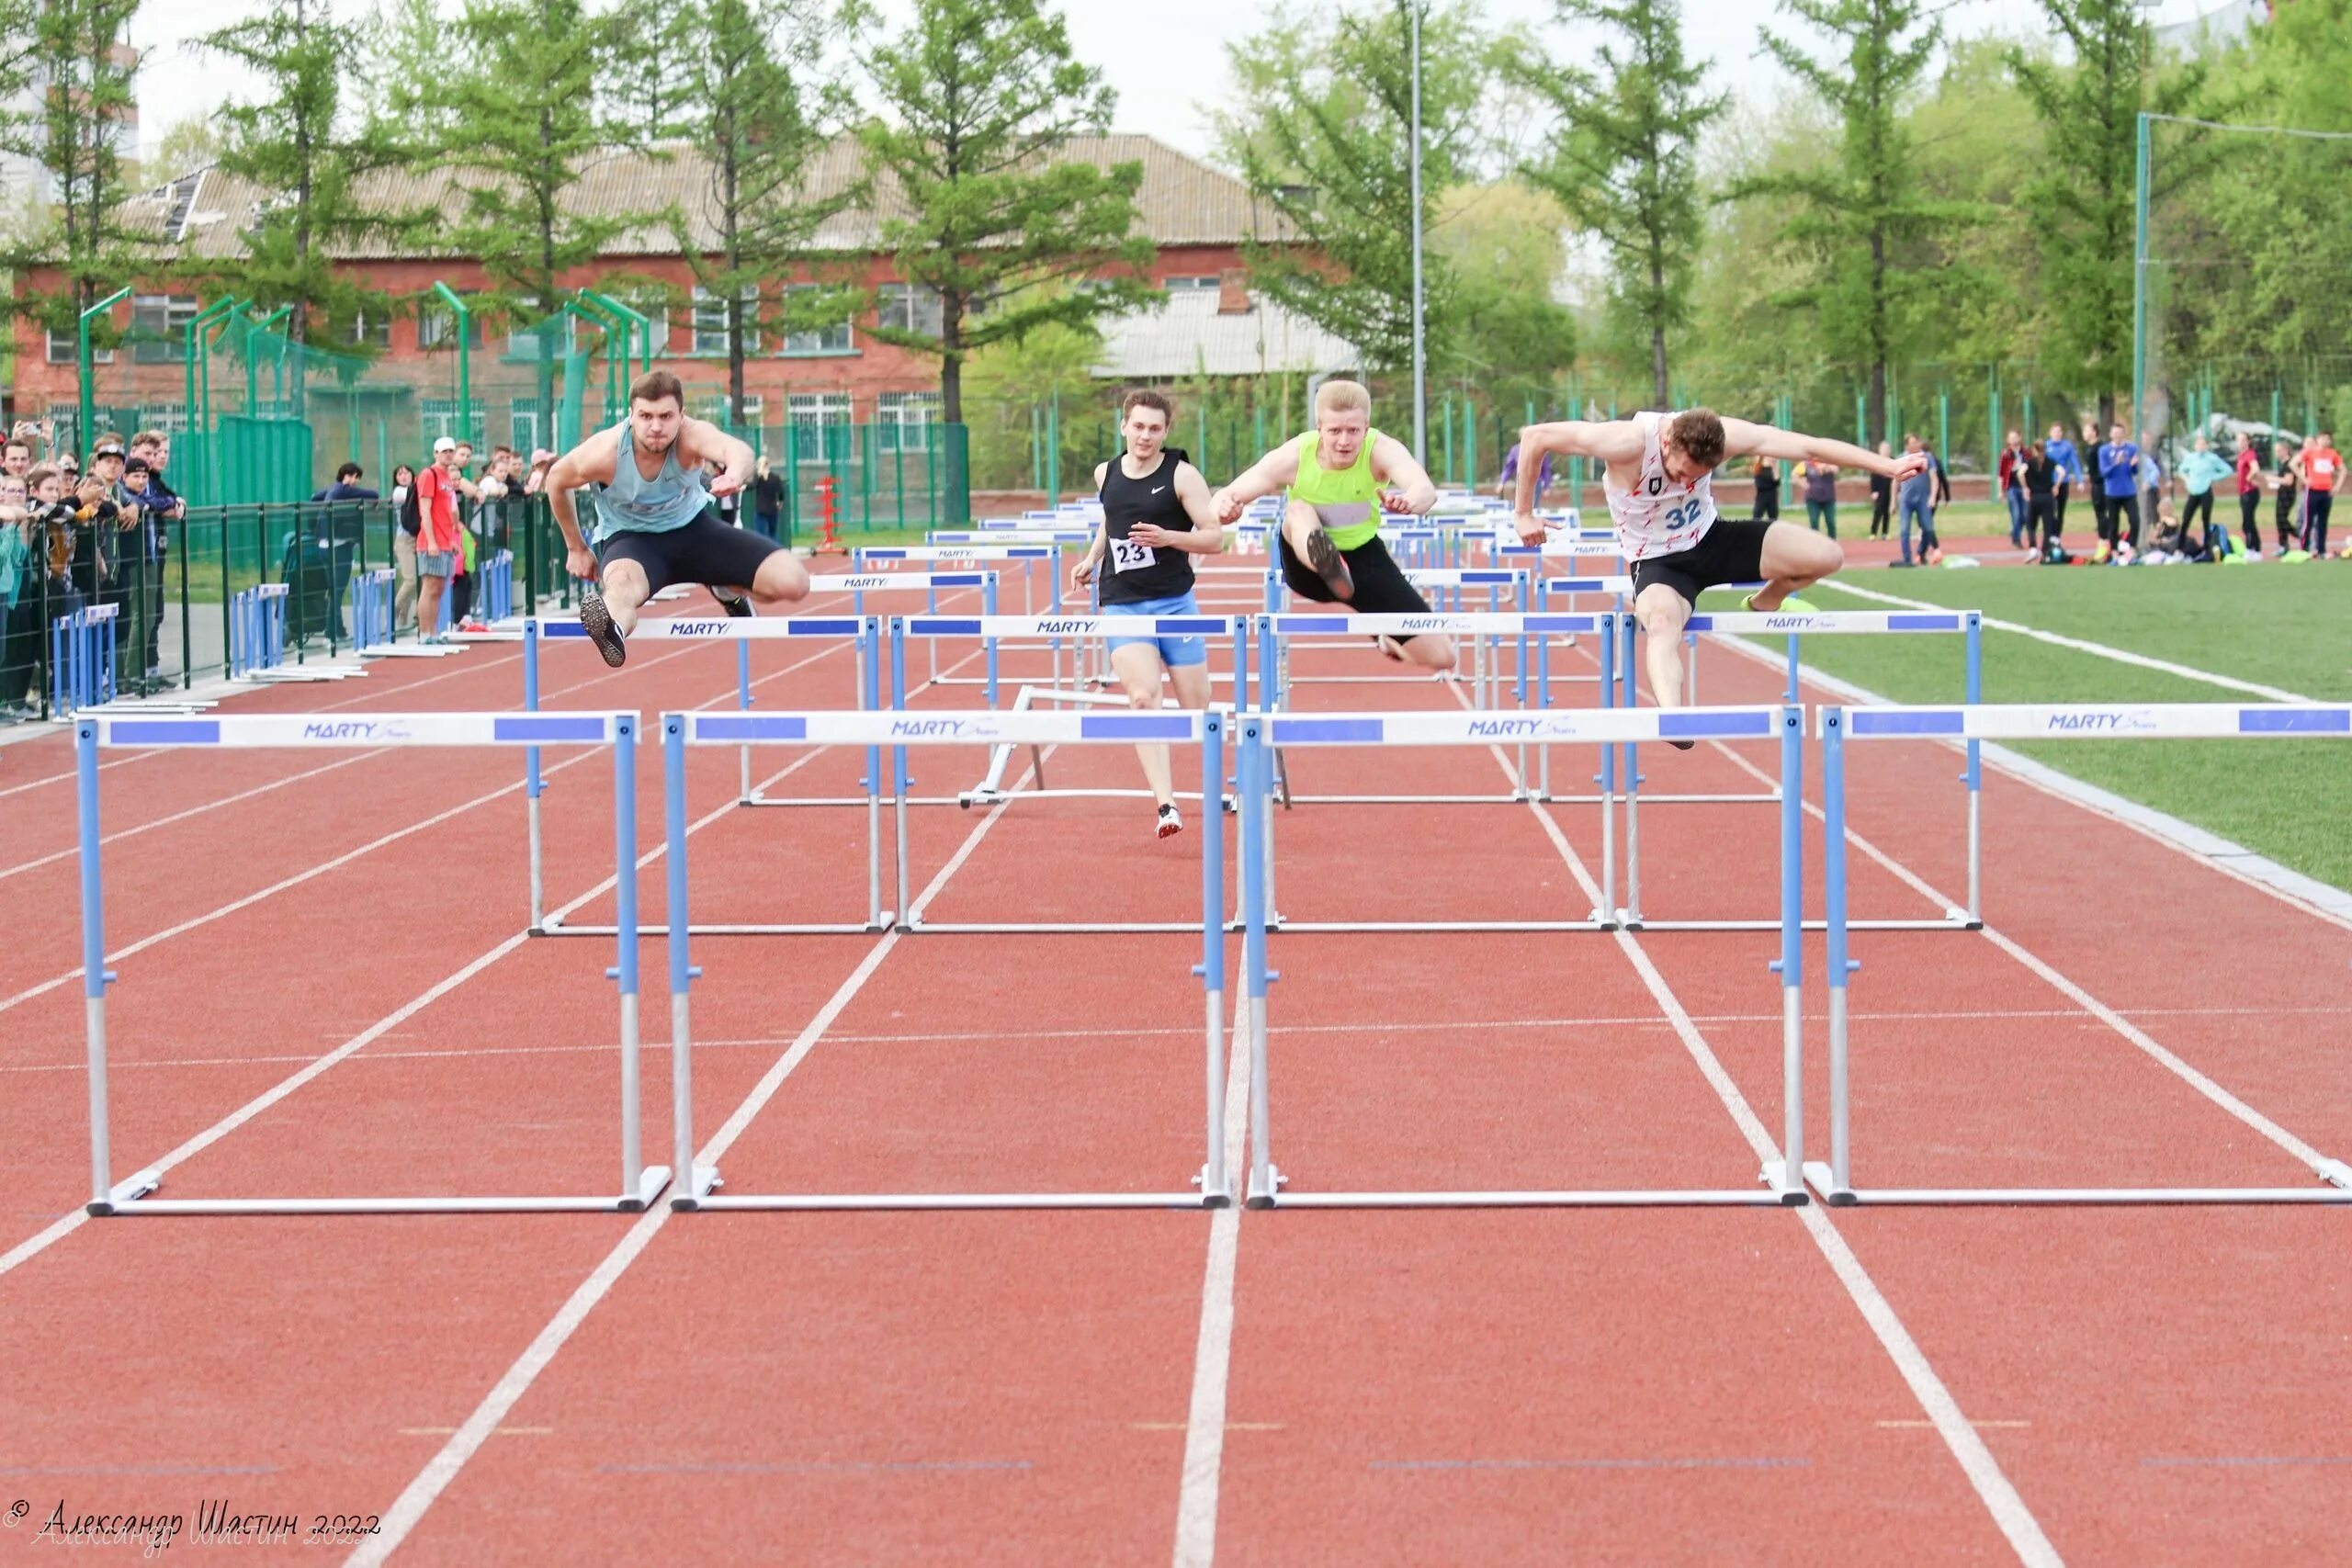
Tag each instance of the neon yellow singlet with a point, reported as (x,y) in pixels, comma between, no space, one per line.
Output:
(1347,501)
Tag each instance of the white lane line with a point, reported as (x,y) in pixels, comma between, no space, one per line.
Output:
(1993,1487)
(67,1224)
(1204,1425)
(422,1492)
(67,776)
(150,827)
(2080,645)
(2212,1091)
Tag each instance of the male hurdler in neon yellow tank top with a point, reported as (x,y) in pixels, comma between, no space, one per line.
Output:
(1347,500)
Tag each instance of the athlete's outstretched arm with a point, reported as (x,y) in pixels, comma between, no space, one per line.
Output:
(1743,439)
(589,463)
(1610,441)
(704,441)
(1394,466)
(1276,470)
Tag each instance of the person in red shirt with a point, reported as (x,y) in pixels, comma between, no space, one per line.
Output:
(2249,469)
(2320,467)
(438,489)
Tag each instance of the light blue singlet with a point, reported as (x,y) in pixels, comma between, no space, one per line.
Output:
(635,504)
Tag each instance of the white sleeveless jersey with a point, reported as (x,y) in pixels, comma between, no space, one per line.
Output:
(1657,516)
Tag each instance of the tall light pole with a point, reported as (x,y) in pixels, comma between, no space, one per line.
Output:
(1420,358)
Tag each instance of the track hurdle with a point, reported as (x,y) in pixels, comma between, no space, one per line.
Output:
(1780,1182)
(857,585)
(1485,673)
(1968,625)
(865,638)
(256,630)
(1839,727)
(640,1185)
(965,558)
(1090,631)
(81,659)
(496,601)
(373,594)
(1211,1187)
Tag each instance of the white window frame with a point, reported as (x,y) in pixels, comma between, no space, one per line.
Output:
(179,310)
(711,341)
(62,348)
(892,422)
(436,325)
(908,301)
(438,417)
(816,344)
(375,330)
(712,409)
(1195,282)
(170,419)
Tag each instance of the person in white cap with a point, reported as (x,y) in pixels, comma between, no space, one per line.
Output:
(438,489)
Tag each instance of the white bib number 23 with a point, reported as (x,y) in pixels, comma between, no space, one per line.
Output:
(1126,556)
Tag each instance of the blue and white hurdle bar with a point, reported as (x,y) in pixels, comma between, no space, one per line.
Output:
(966,558)
(857,585)
(256,630)
(1781,1181)
(1527,631)
(639,1184)
(1968,625)
(1839,727)
(81,659)
(863,635)
(1082,631)
(1211,1187)
(1450,584)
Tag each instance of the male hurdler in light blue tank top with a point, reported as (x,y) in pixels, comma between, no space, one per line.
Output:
(659,529)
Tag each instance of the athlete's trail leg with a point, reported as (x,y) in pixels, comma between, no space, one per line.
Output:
(625,591)
(1794,559)
(1429,652)
(1662,613)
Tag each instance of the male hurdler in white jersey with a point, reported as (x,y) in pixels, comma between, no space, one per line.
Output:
(1661,500)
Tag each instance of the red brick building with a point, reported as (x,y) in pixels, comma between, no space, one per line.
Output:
(1197,218)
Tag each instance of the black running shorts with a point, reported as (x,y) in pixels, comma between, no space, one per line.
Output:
(1381,588)
(705,551)
(1728,552)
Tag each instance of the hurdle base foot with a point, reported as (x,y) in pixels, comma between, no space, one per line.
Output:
(2335,1172)
(649,1182)
(1214,1194)
(1628,920)
(1817,1176)
(129,1190)
(1265,1185)
(689,1194)
(1775,1176)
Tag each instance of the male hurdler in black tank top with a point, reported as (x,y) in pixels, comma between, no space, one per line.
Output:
(1136,572)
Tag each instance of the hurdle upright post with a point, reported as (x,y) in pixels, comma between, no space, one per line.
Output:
(534,786)
(1787,1175)
(1265,1182)
(692,1182)
(743,705)
(640,1186)
(1215,1191)
(95,977)
(898,779)
(1836,1183)
(1974,630)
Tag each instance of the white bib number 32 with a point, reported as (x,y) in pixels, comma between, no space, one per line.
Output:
(1129,557)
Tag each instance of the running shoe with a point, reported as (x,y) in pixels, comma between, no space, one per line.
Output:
(734,604)
(1171,821)
(598,620)
(1324,558)
(1791,605)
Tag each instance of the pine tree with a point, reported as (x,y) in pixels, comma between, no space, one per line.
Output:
(295,143)
(1008,231)
(1623,160)
(663,74)
(764,119)
(2091,112)
(1864,220)
(1326,147)
(519,90)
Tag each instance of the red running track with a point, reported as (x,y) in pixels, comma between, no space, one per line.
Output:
(1753,1385)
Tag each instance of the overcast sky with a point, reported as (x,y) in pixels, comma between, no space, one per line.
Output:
(1167,60)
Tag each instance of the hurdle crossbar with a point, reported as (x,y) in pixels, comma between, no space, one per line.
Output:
(1838,727)
(640,1184)
(1211,1187)
(860,631)
(1780,1183)
(1967,624)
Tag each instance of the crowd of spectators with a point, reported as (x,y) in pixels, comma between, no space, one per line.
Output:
(70,539)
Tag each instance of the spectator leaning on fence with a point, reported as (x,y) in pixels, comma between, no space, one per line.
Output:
(404,545)
(154,449)
(19,601)
(347,486)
